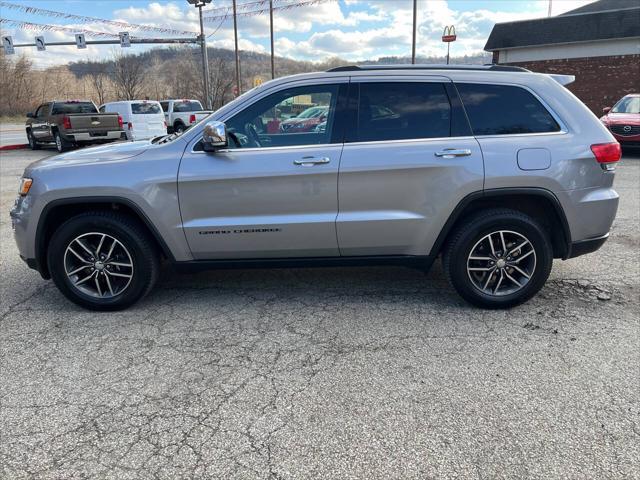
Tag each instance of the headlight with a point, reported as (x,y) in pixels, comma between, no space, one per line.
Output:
(25,186)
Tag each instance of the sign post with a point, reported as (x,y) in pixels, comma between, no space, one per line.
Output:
(125,40)
(448,36)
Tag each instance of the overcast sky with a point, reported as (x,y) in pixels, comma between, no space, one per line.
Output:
(351,29)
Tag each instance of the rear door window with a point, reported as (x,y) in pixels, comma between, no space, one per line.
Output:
(401,111)
(504,110)
(145,108)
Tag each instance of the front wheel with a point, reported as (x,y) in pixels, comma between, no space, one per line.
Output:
(103,260)
(500,258)
(33,145)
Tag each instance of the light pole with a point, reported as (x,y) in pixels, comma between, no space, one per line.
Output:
(205,56)
(273,68)
(235,37)
(415,20)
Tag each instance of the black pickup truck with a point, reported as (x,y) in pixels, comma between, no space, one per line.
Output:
(72,122)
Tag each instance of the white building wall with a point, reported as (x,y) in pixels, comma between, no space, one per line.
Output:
(601,48)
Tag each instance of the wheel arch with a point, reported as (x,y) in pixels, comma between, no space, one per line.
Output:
(539,203)
(57,212)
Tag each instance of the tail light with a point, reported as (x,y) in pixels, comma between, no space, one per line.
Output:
(165,124)
(607,153)
(192,118)
(66,122)
(120,122)
(130,126)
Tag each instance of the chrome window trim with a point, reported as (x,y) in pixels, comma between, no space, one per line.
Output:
(411,140)
(262,149)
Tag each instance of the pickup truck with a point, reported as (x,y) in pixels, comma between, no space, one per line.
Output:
(72,122)
(181,114)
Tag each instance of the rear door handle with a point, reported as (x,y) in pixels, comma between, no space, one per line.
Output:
(453,152)
(310,161)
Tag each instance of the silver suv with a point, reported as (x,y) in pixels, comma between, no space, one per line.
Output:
(498,170)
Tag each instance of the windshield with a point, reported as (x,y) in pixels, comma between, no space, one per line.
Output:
(145,108)
(187,106)
(627,105)
(73,107)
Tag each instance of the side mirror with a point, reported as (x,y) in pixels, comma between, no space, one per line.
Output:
(606,110)
(30,115)
(214,136)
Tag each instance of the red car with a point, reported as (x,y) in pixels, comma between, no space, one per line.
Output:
(623,120)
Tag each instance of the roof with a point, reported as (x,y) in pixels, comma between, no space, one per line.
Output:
(603,5)
(574,26)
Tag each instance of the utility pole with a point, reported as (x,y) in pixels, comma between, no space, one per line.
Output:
(415,20)
(549,10)
(205,56)
(273,68)
(235,36)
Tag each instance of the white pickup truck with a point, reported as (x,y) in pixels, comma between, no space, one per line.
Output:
(181,114)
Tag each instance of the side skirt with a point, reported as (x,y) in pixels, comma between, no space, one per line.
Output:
(419,262)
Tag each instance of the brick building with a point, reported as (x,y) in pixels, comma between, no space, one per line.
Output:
(598,43)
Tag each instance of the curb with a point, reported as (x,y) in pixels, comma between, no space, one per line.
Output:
(14,147)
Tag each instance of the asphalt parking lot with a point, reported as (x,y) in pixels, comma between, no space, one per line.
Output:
(370,373)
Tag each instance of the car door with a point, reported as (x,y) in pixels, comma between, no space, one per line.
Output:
(40,125)
(409,158)
(271,194)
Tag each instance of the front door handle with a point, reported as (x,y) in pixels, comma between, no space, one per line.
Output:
(453,152)
(310,161)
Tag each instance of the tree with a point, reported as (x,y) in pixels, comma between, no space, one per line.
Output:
(98,79)
(128,76)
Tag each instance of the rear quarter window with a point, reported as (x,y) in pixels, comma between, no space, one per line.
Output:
(504,110)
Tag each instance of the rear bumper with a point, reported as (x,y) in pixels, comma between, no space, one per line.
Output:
(589,245)
(88,138)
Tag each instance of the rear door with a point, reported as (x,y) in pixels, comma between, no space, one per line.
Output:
(147,120)
(265,197)
(409,158)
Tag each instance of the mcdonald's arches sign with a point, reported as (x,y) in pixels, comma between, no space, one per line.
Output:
(449,34)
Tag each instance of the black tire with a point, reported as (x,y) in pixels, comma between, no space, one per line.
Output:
(469,235)
(33,145)
(129,232)
(179,128)
(61,144)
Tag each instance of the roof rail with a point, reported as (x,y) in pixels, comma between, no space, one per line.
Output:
(487,67)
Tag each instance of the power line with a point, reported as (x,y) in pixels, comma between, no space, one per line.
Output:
(53,28)
(260,11)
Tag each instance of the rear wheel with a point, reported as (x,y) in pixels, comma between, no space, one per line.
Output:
(179,128)
(498,259)
(103,260)
(33,145)
(61,144)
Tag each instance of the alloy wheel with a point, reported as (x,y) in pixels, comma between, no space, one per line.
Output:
(98,265)
(501,263)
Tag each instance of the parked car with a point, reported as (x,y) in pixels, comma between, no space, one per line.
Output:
(142,119)
(306,121)
(623,120)
(72,122)
(182,114)
(496,169)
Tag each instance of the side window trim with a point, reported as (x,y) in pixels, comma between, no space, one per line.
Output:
(563,126)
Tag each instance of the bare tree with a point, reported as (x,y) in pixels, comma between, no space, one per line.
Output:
(98,79)
(128,76)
